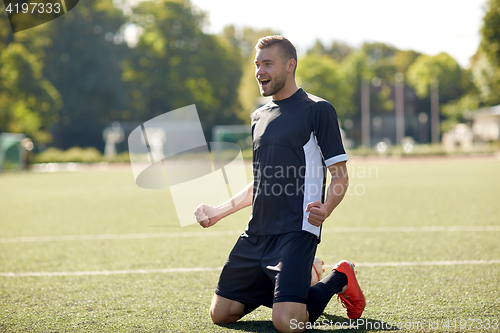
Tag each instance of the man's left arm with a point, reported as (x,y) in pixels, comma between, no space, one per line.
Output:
(318,211)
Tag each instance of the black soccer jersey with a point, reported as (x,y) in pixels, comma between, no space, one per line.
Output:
(294,140)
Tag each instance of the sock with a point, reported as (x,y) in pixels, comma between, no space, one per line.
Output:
(321,293)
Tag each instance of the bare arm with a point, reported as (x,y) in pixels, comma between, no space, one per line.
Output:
(318,211)
(207,215)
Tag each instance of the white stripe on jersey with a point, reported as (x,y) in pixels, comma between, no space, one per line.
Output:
(315,176)
(313,181)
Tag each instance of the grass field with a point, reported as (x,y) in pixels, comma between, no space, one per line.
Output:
(91,251)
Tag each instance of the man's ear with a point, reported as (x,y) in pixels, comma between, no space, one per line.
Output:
(291,65)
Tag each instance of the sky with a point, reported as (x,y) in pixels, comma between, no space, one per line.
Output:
(427,26)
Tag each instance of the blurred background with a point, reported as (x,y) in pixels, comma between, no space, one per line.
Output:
(404,80)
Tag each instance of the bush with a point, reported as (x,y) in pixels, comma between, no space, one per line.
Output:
(120,158)
(75,154)
(422,150)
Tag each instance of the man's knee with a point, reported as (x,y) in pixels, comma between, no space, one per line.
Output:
(290,316)
(225,311)
(220,317)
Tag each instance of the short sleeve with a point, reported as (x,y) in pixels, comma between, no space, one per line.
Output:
(327,132)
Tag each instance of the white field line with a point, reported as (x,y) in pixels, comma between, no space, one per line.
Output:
(120,236)
(238,232)
(424,263)
(414,229)
(209,269)
(136,271)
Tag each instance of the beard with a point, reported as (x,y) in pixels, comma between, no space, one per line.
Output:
(277,83)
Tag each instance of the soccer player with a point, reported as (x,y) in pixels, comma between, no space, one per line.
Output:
(296,138)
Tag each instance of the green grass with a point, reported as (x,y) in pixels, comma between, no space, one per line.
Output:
(420,193)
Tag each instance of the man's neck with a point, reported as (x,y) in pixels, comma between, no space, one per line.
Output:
(288,90)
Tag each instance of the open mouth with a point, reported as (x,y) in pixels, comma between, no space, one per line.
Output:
(264,82)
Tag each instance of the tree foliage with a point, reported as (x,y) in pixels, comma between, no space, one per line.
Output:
(83,61)
(490,32)
(378,71)
(76,74)
(486,62)
(454,111)
(338,50)
(486,77)
(28,101)
(453,81)
(175,64)
(323,76)
(378,50)
(404,59)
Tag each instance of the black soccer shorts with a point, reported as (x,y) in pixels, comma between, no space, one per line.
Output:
(262,270)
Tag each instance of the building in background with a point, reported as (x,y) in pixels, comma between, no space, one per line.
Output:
(486,123)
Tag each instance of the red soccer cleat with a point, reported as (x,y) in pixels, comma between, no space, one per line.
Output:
(352,298)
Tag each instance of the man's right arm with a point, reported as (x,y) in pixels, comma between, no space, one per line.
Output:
(207,215)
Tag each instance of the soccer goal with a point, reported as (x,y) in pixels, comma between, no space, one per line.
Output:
(238,134)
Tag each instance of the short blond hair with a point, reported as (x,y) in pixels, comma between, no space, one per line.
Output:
(287,49)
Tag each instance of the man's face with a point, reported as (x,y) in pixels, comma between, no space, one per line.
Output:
(270,71)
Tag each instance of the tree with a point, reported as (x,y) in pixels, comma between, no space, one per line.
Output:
(377,64)
(84,62)
(175,64)
(373,63)
(356,70)
(404,59)
(337,50)
(490,32)
(244,39)
(322,76)
(456,92)
(5,32)
(28,101)
(455,111)
(317,49)
(484,74)
(381,67)
(486,77)
(453,81)
(378,50)
(486,62)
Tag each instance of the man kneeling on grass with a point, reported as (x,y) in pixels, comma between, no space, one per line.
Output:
(296,138)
